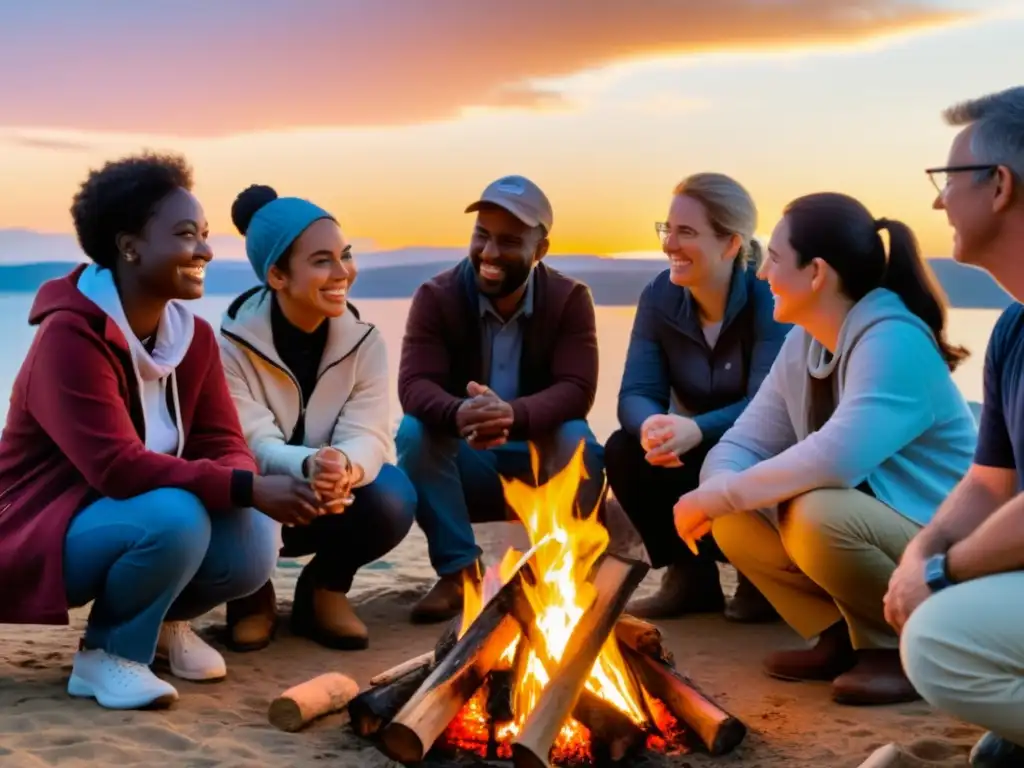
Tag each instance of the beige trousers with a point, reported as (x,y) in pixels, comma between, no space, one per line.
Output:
(963,649)
(830,558)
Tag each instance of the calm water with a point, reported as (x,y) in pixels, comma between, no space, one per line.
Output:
(968,327)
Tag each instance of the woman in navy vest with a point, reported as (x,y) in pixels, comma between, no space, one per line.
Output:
(702,342)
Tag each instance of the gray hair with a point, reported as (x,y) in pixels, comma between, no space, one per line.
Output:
(730,209)
(998,120)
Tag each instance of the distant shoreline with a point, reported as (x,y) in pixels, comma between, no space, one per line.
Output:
(396,275)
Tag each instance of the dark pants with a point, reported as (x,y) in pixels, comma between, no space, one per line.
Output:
(457,485)
(376,523)
(648,494)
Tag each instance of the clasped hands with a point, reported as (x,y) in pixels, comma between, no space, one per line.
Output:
(483,418)
(332,476)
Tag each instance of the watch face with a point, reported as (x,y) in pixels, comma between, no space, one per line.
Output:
(935,572)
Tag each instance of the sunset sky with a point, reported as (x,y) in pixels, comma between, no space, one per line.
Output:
(394,114)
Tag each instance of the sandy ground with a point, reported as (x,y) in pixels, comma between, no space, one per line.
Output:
(225,724)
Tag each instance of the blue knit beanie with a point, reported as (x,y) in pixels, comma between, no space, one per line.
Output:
(271,224)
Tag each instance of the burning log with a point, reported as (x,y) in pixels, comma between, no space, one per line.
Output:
(613,735)
(455,679)
(303,703)
(375,707)
(615,580)
(718,730)
(643,637)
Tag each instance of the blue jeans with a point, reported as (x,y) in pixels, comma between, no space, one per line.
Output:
(457,485)
(378,520)
(160,557)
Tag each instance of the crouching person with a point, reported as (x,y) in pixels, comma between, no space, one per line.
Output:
(856,436)
(125,480)
(305,372)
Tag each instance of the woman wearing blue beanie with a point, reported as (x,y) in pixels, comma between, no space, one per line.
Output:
(310,382)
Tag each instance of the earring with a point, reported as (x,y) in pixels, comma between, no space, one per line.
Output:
(130,256)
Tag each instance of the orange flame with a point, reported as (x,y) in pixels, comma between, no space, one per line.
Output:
(569,546)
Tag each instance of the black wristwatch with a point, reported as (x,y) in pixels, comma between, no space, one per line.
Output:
(936,576)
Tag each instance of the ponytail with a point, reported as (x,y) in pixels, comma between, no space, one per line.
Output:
(910,277)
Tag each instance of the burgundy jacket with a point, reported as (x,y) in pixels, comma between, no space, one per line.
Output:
(74,434)
(441,352)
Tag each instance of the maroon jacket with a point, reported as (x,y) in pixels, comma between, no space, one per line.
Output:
(74,434)
(441,352)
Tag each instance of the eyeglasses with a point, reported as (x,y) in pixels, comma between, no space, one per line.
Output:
(939,177)
(664,229)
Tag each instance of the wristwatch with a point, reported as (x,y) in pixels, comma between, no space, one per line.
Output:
(935,574)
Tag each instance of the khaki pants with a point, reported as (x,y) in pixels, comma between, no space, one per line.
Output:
(963,649)
(830,558)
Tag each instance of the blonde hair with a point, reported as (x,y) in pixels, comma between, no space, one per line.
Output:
(729,208)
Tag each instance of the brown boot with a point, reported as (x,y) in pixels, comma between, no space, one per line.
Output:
(748,605)
(831,656)
(252,620)
(444,600)
(877,678)
(326,617)
(690,588)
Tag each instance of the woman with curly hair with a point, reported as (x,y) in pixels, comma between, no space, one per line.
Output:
(125,480)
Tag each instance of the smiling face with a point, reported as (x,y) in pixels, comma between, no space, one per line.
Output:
(796,289)
(319,271)
(503,251)
(168,259)
(968,204)
(696,253)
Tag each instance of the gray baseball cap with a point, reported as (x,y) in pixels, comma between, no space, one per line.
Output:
(520,197)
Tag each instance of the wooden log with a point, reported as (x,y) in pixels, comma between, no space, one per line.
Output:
(615,580)
(390,675)
(303,703)
(719,731)
(643,637)
(614,736)
(375,707)
(448,638)
(454,680)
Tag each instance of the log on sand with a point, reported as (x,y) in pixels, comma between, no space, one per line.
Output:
(303,703)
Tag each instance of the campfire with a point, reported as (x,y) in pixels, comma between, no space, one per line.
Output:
(543,668)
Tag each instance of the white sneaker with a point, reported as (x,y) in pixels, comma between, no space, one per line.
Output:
(117,683)
(188,655)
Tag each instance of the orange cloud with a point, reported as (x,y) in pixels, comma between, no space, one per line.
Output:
(193,68)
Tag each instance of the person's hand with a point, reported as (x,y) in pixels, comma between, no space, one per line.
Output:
(332,476)
(691,522)
(484,419)
(667,436)
(286,499)
(907,590)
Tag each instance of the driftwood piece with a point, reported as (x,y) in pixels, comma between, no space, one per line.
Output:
(375,707)
(643,637)
(454,680)
(303,703)
(397,671)
(719,731)
(615,580)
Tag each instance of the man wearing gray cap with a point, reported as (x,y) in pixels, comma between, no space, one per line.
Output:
(499,352)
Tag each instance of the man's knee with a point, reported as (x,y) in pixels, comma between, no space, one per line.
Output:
(417,446)
(570,436)
(393,504)
(621,453)
(932,656)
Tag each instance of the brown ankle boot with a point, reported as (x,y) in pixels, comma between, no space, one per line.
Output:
(444,600)
(326,616)
(690,588)
(877,678)
(830,657)
(252,620)
(748,605)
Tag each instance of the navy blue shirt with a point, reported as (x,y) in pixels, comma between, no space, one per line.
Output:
(1001,432)
(669,358)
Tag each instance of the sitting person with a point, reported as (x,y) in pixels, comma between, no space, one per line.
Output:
(952,597)
(853,440)
(498,351)
(702,342)
(304,372)
(125,476)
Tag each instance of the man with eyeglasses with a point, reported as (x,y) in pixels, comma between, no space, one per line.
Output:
(956,597)
(499,352)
